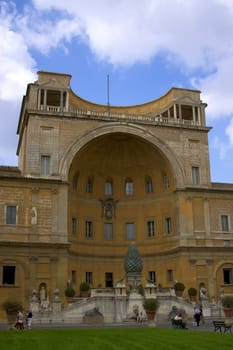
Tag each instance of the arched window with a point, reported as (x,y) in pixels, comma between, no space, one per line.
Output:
(89,185)
(128,187)
(149,184)
(166,183)
(108,187)
(75,182)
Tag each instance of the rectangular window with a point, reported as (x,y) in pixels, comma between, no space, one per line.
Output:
(225,223)
(152,276)
(8,275)
(108,279)
(168,225)
(170,275)
(130,231)
(108,231)
(74,226)
(195,175)
(11,215)
(89,229)
(73,276)
(227,276)
(108,188)
(150,228)
(89,277)
(45,165)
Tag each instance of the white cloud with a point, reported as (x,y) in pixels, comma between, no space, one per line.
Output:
(8,138)
(16,64)
(16,70)
(45,31)
(194,35)
(124,32)
(229,131)
(217,89)
(222,147)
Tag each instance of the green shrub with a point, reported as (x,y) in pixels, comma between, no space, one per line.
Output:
(151,304)
(70,292)
(192,292)
(179,286)
(11,306)
(84,286)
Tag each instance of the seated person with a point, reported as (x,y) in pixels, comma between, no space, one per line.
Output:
(179,317)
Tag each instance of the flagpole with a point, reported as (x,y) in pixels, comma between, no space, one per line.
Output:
(108,103)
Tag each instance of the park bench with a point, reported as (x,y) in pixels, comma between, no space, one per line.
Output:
(219,325)
(177,324)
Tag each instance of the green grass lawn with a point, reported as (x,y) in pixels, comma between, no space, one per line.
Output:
(114,339)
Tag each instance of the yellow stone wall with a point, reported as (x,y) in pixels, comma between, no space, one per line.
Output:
(46,251)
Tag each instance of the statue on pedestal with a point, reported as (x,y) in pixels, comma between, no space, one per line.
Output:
(44,303)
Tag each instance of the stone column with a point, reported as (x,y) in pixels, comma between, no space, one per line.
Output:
(53,271)
(211,280)
(55,198)
(45,99)
(207,217)
(198,115)
(168,114)
(67,102)
(61,101)
(39,99)
(202,112)
(174,110)
(180,113)
(194,115)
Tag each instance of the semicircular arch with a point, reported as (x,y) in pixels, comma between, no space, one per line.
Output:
(130,129)
(221,264)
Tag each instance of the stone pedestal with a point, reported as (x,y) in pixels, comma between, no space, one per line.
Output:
(150,290)
(135,306)
(56,305)
(151,323)
(34,307)
(120,289)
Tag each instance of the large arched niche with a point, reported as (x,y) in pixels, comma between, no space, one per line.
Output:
(139,133)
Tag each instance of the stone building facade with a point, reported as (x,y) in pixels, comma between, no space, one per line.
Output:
(93,178)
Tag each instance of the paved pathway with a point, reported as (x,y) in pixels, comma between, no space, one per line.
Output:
(207,326)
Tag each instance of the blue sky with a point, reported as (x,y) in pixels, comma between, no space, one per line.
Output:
(146,47)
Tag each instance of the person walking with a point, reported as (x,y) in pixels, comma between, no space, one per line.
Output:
(197,315)
(19,322)
(201,315)
(29,319)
